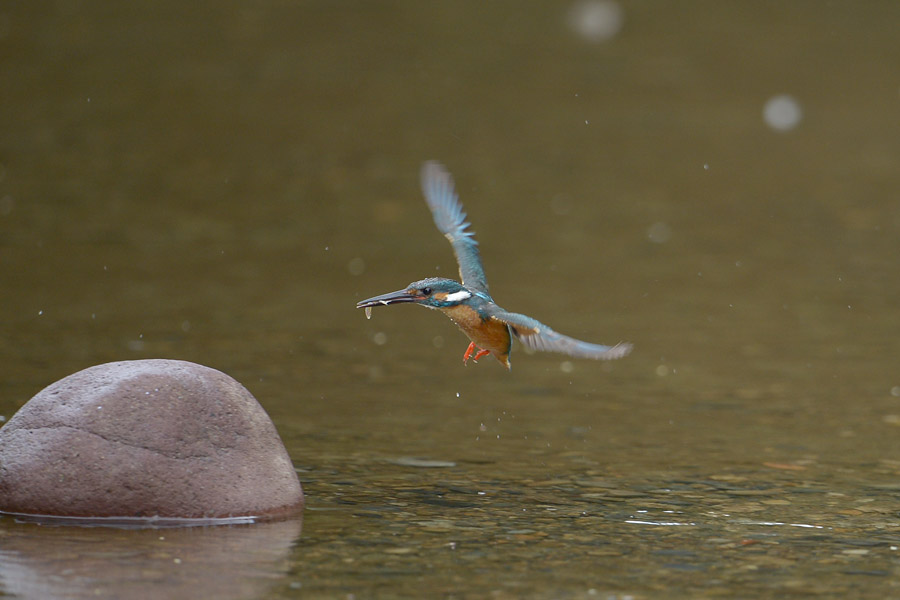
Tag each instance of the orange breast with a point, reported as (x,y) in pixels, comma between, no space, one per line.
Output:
(490,335)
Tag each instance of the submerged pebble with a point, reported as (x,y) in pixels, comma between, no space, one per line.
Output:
(411,461)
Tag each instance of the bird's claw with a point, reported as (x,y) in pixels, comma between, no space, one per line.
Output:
(470,350)
(468,353)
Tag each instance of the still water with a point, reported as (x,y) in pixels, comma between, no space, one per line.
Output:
(713,182)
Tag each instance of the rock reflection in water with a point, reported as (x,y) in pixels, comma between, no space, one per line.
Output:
(227,562)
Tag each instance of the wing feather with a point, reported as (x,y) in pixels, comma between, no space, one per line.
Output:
(537,336)
(450,218)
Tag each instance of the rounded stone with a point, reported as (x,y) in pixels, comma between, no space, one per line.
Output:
(146,439)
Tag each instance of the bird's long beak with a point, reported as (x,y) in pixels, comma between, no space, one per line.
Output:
(391,298)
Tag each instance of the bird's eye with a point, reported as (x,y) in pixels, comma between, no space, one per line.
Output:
(426,291)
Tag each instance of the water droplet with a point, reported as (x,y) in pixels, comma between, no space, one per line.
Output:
(659,232)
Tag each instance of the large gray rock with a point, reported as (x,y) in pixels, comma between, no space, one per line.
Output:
(145,438)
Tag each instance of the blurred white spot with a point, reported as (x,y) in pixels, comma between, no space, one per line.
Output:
(437,341)
(135,345)
(595,20)
(185,326)
(662,370)
(566,366)
(706,166)
(40,312)
(659,232)
(782,113)
(895,391)
(380,338)
(561,204)
(356,266)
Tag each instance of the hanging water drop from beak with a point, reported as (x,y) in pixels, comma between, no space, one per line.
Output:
(368,312)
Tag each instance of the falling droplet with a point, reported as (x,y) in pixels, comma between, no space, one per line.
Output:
(368,312)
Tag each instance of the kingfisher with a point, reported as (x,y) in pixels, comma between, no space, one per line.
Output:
(469,304)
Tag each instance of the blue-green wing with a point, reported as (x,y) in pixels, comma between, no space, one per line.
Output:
(537,336)
(437,185)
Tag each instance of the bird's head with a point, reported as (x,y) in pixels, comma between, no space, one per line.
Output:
(434,292)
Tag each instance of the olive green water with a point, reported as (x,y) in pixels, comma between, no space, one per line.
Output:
(222,182)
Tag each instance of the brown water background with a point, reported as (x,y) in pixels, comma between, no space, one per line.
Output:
(221,182)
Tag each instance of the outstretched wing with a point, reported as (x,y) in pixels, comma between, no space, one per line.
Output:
(437,185)
(537,336)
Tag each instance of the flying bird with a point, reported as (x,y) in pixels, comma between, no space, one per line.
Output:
(469,304)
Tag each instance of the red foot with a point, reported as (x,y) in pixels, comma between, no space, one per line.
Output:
(470,350)
(468,353)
